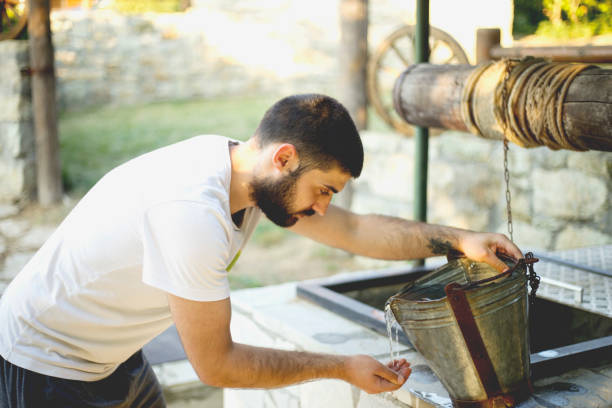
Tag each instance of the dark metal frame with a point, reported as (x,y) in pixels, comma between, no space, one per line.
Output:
(328,292)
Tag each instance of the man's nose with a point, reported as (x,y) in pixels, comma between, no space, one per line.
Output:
(320,206)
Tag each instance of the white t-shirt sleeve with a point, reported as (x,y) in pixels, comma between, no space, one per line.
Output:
(186,250)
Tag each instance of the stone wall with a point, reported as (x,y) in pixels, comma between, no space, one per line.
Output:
(560,199)
(17,172)
(230,47)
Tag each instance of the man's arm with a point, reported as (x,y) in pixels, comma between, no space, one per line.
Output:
(218,361)
(385,237)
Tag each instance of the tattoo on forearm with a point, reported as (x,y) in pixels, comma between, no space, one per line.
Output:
(440,247)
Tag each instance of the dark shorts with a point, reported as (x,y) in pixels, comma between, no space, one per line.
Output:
(132,385)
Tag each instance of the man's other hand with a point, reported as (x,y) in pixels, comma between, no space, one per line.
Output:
(373,377)
(482,247)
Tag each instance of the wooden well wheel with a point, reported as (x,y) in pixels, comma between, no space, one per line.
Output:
(393,56)
(13,18)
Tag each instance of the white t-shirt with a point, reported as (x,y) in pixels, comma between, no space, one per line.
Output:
(95,292)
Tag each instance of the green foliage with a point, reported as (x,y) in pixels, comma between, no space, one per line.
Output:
(576,18)
(94,141)
(527,15)
(143,6)
(562,19)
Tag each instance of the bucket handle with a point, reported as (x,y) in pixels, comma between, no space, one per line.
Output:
(529,260)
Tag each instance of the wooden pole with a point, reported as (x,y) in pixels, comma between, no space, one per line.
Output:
(48,170)
(596,54)
(486,39)
(353,60)
(430,95)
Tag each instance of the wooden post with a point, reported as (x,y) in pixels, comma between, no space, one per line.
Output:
(48,171)
(431,95)
(486,39)
(353,60)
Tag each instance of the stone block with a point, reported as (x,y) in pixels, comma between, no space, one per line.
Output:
(461,213)
(577,237)
(244,330)
(521,182)
(527,237)
(595,163)
(383,400)
(543,221)
(386,143)
(457,146)
(243,398)
(16,139)
(15,108)
(470,182)
(12,228)
(2,247)
(8,210)
(3,286)
(327,393)
(568,194)
(175,373)
(520,204)
(520,161)
(13,82)
(283,397)
(549,159)
(14,263)
(17,180)
(388,175)
(14,55)
(35,237)
(364,203)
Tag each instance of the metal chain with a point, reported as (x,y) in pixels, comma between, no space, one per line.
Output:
(508,197)
(501,102)
(534,279)
(529,260)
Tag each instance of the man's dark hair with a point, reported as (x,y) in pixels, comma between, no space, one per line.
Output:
(319,127)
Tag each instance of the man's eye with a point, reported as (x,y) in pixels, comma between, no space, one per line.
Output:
(325,192)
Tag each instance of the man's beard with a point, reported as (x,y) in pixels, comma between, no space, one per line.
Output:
(274,198)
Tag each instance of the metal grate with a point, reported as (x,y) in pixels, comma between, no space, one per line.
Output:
(581,278)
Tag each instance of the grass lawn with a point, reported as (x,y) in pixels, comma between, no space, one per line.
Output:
(96,140)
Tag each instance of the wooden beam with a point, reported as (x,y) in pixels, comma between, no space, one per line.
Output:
(588,53)
(431,95)
(42,69)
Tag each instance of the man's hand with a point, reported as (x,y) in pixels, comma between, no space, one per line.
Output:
(373,377)
(482,247)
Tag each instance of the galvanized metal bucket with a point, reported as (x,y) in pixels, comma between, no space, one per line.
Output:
(470,324)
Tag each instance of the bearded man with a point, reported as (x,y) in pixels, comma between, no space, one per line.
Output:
(151,243)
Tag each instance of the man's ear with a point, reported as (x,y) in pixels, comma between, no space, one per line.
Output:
(285,158)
